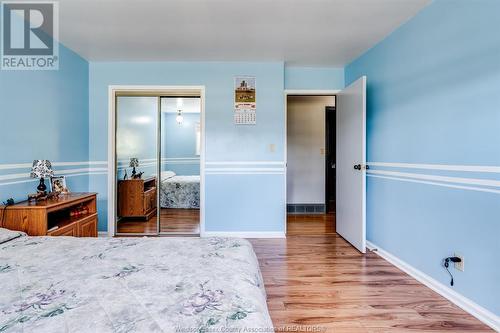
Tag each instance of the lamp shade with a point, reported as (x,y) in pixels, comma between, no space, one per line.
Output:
(134,162)
(41,169)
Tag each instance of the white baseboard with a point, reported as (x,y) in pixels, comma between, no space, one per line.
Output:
(236,234)
(461,301)
(245,234)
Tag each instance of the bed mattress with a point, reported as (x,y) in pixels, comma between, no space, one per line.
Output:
(180,192)
(65,284)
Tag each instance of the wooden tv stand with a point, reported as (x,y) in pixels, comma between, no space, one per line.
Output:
(51,217)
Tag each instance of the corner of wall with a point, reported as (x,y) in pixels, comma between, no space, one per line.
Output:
(58,100)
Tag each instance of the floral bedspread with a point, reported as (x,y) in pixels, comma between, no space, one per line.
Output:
(180,192)
(65,284)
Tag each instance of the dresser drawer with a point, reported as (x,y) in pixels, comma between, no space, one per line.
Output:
(68,230)
(153,198)
(88,227)
(149,200)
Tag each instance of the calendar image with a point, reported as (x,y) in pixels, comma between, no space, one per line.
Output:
(244,93)
(244,117)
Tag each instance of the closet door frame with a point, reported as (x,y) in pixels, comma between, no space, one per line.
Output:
(149,91)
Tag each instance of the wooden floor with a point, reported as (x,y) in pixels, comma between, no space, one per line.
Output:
(180,220)
(185,221)
(319,224)
(317,282)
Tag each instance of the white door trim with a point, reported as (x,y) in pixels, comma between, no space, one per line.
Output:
(300,92)
(160,90)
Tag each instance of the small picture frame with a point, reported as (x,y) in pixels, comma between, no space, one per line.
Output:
(58,184)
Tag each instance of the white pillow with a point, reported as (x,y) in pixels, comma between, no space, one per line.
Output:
(7,235)
(167,174)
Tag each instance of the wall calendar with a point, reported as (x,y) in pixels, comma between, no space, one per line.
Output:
(245,100)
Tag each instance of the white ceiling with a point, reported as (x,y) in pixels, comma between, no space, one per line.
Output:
(299,32)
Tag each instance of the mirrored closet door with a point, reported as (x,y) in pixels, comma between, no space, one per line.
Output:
(137,165)
(180,165)
(158,147)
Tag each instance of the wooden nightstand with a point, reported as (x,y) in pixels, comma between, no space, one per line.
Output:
(52,217)
(137,198)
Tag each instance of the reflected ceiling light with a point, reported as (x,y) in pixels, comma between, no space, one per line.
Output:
(141,120)
(179,117)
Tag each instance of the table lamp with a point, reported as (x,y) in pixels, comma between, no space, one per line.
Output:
(41,169)
(134,162)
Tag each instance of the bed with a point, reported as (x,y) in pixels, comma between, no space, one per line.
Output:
(179,191)
(65,284)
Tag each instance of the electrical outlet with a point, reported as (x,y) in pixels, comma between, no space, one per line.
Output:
(459,265)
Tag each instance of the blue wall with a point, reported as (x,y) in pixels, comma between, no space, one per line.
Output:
(224,140)
(434,97)
(44,115)
(136,134)
(314,78)
(179,144)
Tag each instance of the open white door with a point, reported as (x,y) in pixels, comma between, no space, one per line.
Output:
(351,164)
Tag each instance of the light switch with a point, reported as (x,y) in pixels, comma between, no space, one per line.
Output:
(272,147)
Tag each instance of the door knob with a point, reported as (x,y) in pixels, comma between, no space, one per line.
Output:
(357,167)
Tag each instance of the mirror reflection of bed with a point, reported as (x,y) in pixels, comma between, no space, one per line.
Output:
(179,186)
(164,200)
(180,203)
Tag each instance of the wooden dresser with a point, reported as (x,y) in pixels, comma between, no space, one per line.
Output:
(137,198)
(53,217)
